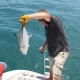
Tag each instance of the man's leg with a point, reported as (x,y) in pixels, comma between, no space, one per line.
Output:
(60,60)
(51,63)
(56,65)
(58,78)
(50,77)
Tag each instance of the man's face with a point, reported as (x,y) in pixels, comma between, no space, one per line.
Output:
(42,21)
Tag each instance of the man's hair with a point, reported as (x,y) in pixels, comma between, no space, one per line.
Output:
(42,10)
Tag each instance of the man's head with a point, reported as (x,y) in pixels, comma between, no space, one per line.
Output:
(43,21)
(3,66)
(42,10)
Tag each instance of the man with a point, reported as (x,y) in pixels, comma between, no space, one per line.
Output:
(56,41)
(3,67)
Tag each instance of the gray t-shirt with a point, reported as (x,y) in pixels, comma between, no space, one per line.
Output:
(56,37)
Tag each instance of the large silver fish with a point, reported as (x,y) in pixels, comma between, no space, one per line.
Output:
(23,40)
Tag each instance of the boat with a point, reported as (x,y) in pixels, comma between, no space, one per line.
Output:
(22,75)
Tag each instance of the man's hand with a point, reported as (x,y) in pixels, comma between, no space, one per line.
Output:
(24,19)
(23,23)
(41,49)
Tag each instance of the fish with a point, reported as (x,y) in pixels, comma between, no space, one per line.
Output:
(23,40)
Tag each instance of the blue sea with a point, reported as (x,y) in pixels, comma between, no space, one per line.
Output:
(11,10)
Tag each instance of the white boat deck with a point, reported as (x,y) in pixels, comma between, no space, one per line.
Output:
(22,75)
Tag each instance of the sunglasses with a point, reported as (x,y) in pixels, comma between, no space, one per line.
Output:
(40,20)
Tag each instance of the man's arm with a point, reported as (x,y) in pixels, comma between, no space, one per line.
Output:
(41,49)
(39,15)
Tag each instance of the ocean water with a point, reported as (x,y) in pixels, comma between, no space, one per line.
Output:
(11,10)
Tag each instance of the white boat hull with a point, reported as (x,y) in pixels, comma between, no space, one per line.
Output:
(22,75)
